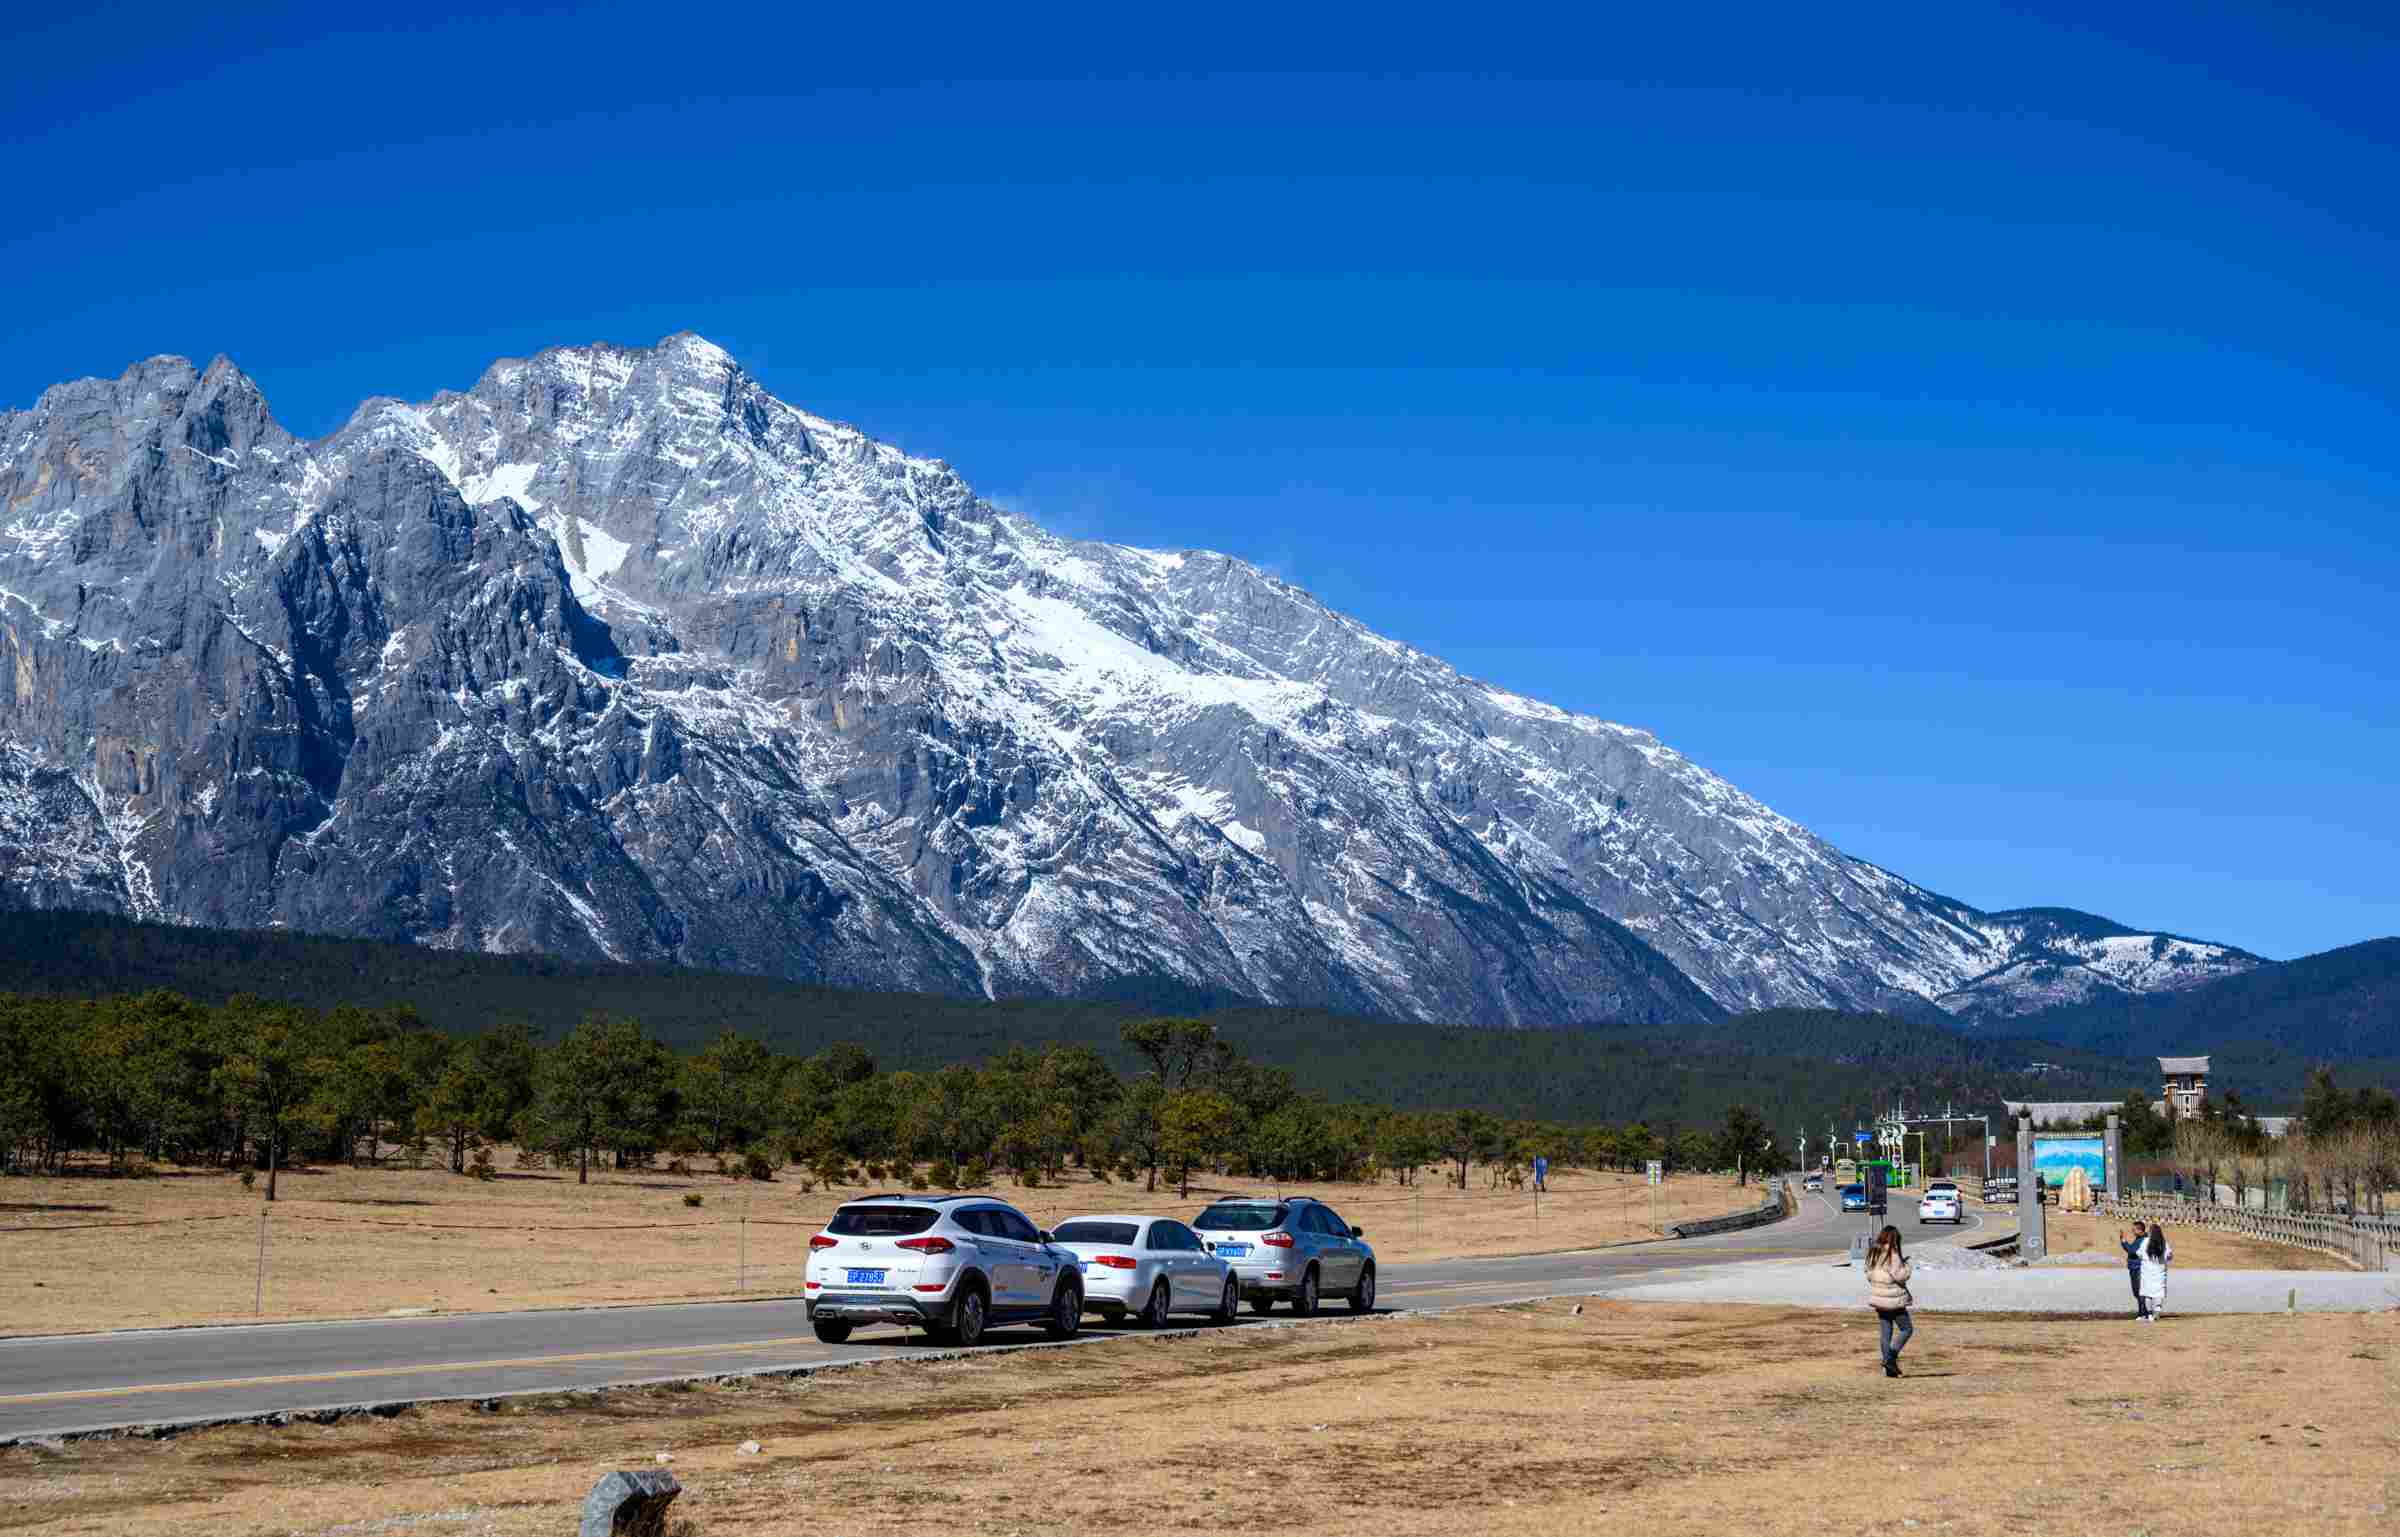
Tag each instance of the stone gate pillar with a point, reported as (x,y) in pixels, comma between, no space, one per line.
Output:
(2030,1241)
(2113,1150)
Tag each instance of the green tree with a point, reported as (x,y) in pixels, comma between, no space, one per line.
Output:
(730,1090)
(276,1057)
(595,1088)
(1176,1049)
(1744,1137)
(1140,1125)
(1194,1127)
(1076,1080)
(1464,1136)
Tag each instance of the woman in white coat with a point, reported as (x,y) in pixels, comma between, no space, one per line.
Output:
(2156,1252)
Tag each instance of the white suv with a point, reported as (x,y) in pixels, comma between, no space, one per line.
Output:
(952,1265)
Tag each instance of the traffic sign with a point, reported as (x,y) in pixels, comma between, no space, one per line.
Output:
(1541,1172)
(1658,1171)
(1865,1137)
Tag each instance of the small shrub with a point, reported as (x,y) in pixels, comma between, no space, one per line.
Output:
(943,1174)
(807,1186)
(679,1166)
(483,1172)
(1029,1179)
(917,1182)
(758,1166)
(532,1158)
(974,1176)
(1100,1173)
(694,1198)
(249,1179)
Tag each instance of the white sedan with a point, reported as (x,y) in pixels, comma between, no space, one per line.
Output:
(1147,1267)
(1939,1205)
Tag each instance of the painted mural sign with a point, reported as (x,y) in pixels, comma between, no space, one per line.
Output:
(2054,1153)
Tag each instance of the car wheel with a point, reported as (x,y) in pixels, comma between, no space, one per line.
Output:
(1304,1301)
(832,1331)
(967,1319)
(1229,1306)
(1066,1312)
(1362,1300)
(1154,1312)
(1262,1303)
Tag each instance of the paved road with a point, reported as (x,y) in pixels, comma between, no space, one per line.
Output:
(62,1385)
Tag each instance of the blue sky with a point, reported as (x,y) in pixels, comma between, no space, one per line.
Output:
(1975,434)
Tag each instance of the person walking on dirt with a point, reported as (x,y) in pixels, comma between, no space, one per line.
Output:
(2133,1261)
(2156,1251)
(1887,1293)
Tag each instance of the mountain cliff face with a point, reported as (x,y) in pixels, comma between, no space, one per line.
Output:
(616,655)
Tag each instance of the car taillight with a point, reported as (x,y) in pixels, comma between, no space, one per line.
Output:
(1114,1261)
(1277,1240)
(926,1245)
(824,1241)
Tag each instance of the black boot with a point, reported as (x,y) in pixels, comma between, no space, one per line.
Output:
(1891,1366)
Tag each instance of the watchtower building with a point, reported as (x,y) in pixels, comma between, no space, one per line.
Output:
(2186,1090)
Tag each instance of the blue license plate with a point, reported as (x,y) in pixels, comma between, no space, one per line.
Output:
(1232,1250)
(866,1278)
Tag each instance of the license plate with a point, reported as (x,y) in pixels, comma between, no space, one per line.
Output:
(1232,1250)
(866,1278)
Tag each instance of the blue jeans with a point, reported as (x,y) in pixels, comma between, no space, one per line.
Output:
(1894,1323)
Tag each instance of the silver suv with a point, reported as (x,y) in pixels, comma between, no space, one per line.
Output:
(952,1265)
(1293,1247)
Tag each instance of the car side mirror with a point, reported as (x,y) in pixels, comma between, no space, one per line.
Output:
(1047,1237)
(1358,1232)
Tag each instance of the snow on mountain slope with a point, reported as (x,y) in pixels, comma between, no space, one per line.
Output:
(617,655)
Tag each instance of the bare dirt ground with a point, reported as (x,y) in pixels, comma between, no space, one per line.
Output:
(1528,1420)
(82,1253)
(2196,1248)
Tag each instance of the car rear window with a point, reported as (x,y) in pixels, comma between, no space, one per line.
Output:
(880,1221)
(1238,1217)
(1095,1232)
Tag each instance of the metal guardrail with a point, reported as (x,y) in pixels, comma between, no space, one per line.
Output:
(2369,1243)
(1773,1209)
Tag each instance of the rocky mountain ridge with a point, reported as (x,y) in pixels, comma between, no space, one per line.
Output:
(616,655)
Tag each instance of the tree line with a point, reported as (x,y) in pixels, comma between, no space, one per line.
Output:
(256,1085)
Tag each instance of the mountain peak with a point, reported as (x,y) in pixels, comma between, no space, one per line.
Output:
(803,703)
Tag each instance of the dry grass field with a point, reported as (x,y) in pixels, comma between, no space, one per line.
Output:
(2196,1248)
(84,1253)
(1533,1420)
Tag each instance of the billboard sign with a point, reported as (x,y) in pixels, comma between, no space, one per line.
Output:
(2054,1153)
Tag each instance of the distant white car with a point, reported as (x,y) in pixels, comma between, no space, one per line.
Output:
(1147,1268)
(1939,1204)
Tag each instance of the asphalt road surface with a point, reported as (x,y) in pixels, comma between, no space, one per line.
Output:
(64,1385)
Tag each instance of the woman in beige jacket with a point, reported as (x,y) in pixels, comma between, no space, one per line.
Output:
(1888,1295)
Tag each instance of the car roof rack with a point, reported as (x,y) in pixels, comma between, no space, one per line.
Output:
(911,1195)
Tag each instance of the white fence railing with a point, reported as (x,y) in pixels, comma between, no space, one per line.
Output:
(2369,1243)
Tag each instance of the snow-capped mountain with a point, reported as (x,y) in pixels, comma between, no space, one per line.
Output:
(616,655)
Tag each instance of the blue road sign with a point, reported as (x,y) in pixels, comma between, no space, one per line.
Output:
(1865,1137)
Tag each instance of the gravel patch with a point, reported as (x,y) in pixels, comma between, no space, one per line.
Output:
(1828,1283)
(1944,1256)
(2081,1259)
